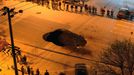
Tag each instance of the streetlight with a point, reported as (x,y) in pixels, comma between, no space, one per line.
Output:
(11,13)
(12,40)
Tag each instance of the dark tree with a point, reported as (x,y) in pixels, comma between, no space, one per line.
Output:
(121,55)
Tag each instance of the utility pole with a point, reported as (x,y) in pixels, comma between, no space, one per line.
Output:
(12,41)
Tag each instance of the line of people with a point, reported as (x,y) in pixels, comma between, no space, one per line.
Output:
(29,70)
(40,2)
(75,7)
(90,9)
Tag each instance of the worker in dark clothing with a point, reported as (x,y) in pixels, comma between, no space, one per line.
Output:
(95,10)
(132,16)
(53,5)
(33,1)
(24,59)
(37,72)
(102,11)
(72,8)
(86,7)
(81,7)
(22,70)
(108,13)
(42,3)
(67,6)
(76,8)
(46,73)
(112,13)
(59,5)
(38,2)
(47,5)
(28,70)
(18,52)
(64,4)
(32,71)
(131,33)
(0,69)
(89,9)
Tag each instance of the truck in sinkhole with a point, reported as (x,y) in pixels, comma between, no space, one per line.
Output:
(65,38)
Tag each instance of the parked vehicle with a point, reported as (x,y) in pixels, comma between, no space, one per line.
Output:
(125,13)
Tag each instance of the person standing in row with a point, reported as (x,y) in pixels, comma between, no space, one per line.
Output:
(86,7)
(112,13)
(59,3)
(102,11)
(95,10)
(24,59)
(37,72)
(89,9)
(132,16)
(22,70)
(46,73)
(67,6)
(42,2)
(92,10)
(32,72)
(28,70)
(108,13)
(81,8)
(52,4)
(33,1)
(76,8)
(38,2)
(72,7)
(64,4)
(47,5)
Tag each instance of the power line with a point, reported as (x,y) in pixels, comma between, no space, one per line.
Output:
(29,7)
(46,59)
(16,4)
(107,3)
(59,52)
(11,6)
(23,10)
(23,5)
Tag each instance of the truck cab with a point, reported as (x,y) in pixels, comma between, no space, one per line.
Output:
(65,38)
(125,13)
